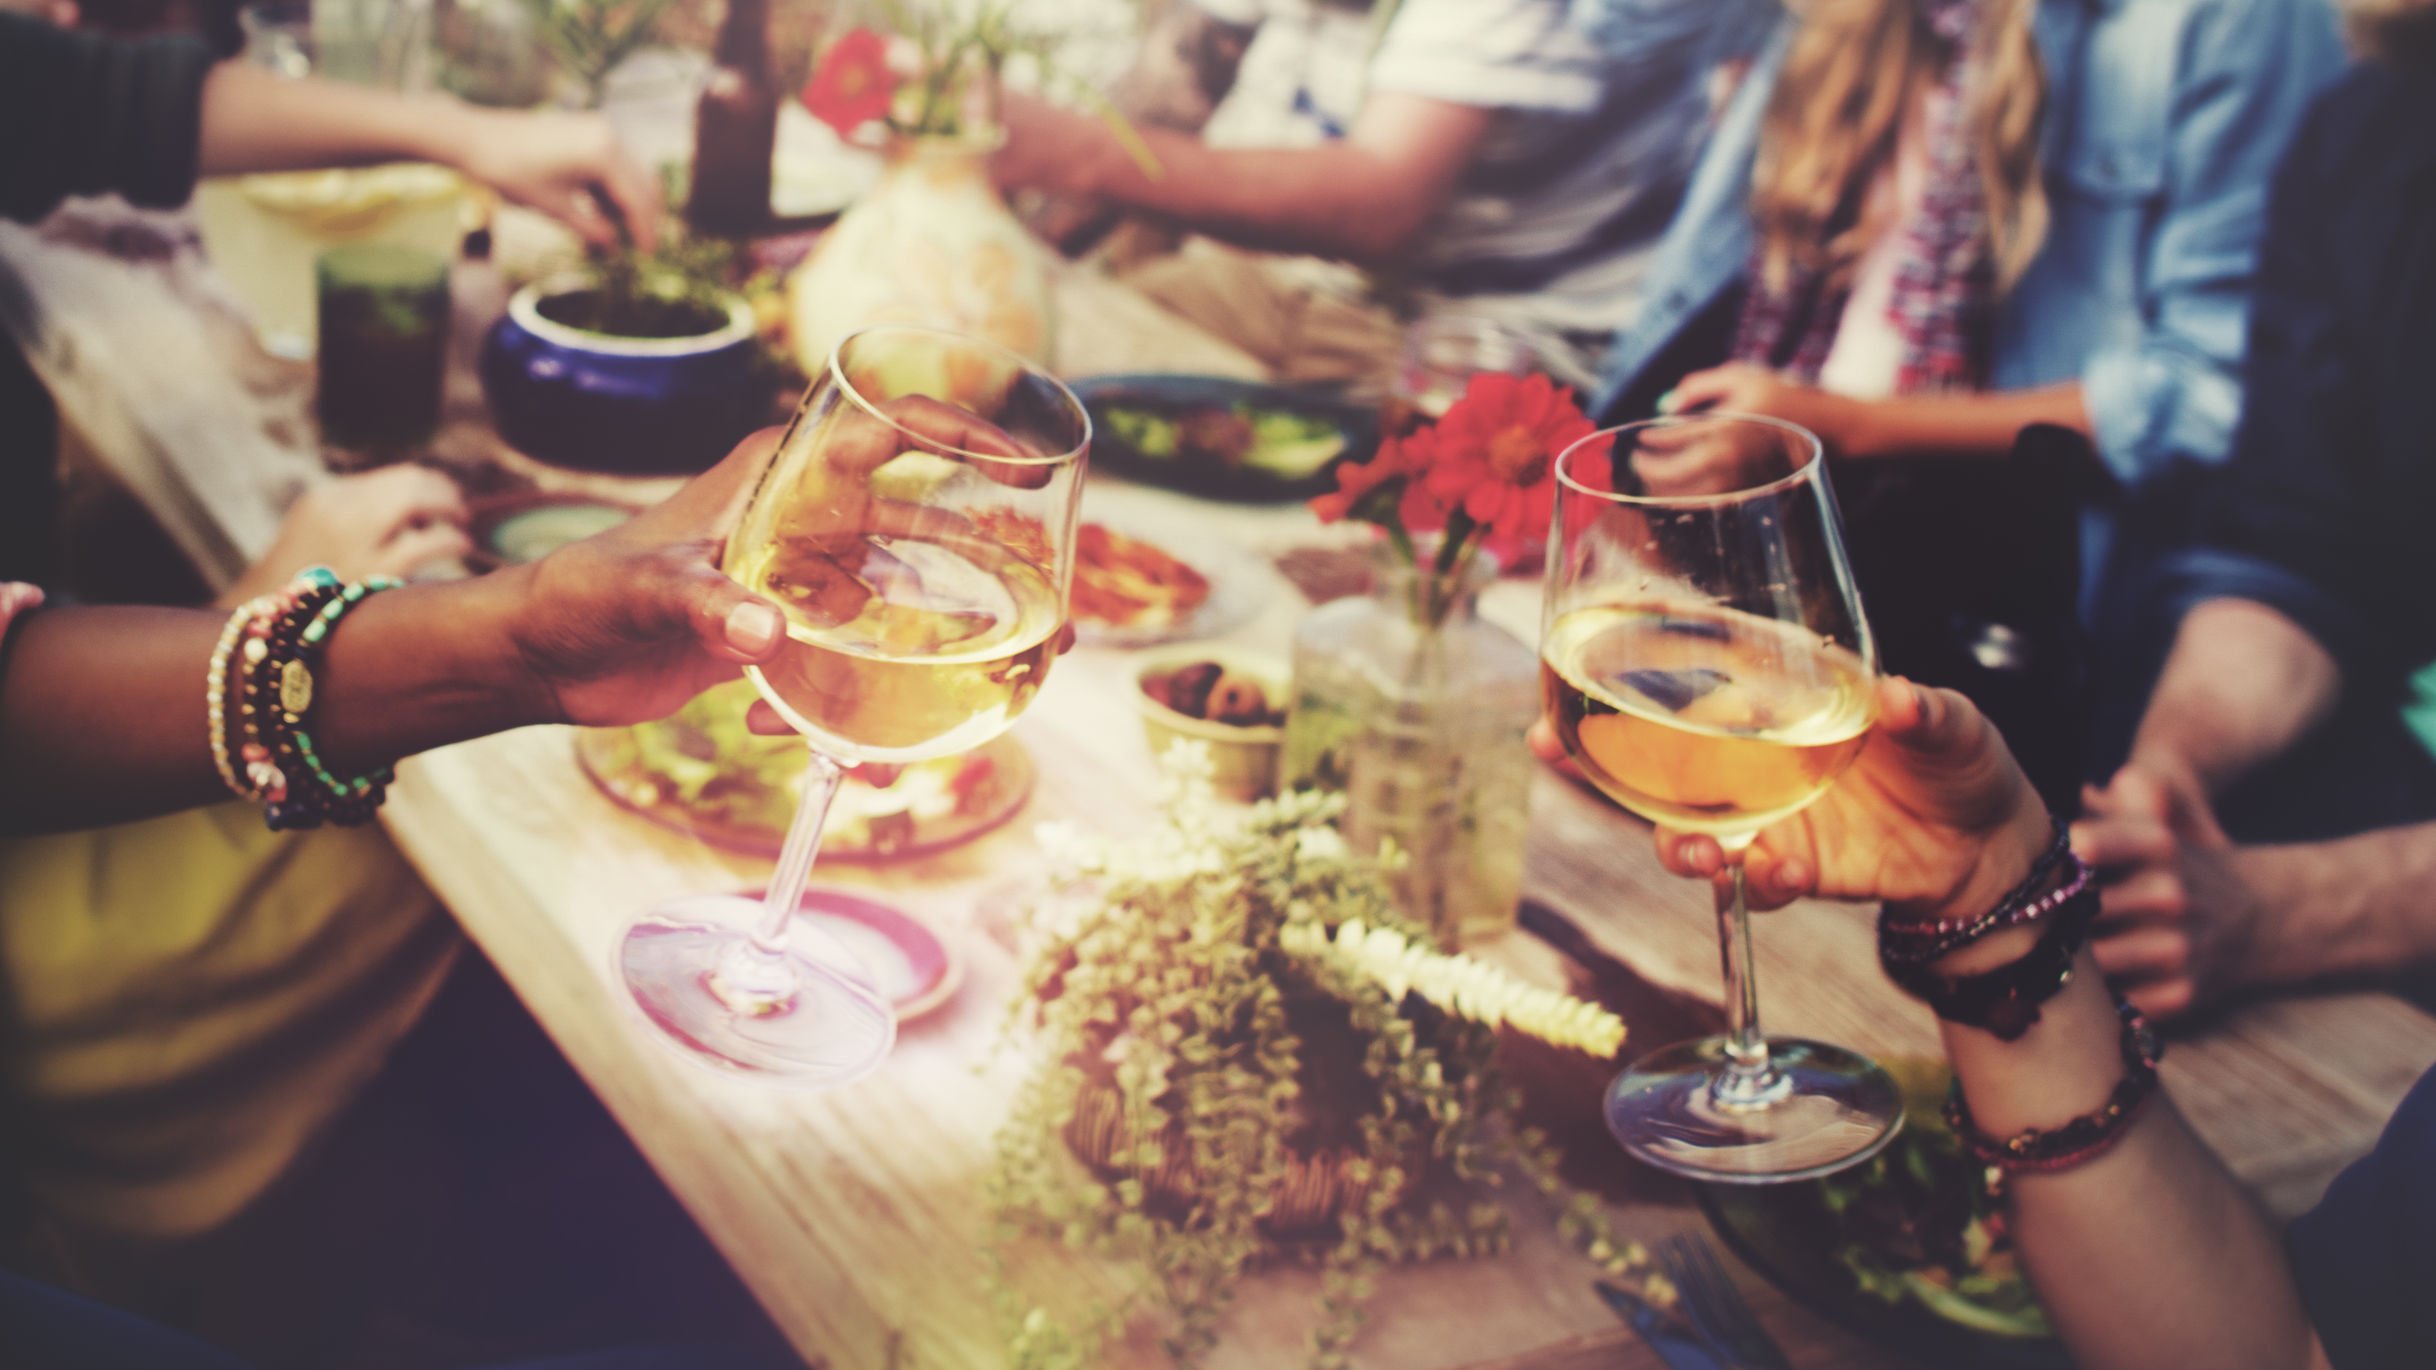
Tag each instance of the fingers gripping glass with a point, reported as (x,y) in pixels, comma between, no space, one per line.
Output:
(916,526)
(1706,663)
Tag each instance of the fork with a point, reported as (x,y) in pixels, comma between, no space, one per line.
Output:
(1715,1306)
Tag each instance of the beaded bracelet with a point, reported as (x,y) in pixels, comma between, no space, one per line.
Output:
(2006,1000)
(215,697)
(2045,1150)
(269,752)
(1917,943)
(299,790)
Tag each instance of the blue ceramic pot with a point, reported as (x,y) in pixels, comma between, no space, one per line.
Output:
(638,406)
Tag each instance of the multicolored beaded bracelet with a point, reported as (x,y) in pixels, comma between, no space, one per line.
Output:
(2045,1150)
(281,656)
(215,697)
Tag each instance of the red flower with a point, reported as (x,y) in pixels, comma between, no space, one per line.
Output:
(1398,459)
(1497,450)
(852,86)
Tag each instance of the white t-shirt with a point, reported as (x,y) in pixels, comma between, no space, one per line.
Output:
(1551,225)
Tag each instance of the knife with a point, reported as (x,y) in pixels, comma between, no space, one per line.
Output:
(1674,1341)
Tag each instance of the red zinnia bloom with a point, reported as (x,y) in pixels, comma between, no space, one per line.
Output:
(1398,459)
(853,85)
(1497,450)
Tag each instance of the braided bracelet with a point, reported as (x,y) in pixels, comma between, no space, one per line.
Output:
(2045,1150)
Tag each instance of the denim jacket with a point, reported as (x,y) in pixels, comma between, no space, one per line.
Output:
(2164,120)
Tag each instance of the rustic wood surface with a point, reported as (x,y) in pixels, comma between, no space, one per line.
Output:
(857,1216)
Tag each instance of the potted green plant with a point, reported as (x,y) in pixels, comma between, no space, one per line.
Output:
(1248,1054)
(638,363)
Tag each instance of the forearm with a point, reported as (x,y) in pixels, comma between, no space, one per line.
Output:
(2242,685)
(2149,1254)
(1975,425)
(255,120)
(102,715)
(2354,906)
(1336,199)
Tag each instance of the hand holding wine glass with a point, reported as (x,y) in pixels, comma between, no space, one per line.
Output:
(1935,817)
(915,528)
(1706,663)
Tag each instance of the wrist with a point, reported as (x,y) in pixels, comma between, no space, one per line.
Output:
(443,129)
(507,632)
(2004,860)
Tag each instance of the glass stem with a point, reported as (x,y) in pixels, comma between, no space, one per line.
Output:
(795,859)
(1747,1081)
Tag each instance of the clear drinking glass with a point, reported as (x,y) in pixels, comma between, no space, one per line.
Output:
(1706,662)
(916,525)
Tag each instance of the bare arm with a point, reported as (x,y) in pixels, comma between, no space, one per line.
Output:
(565,165)
(2149,1255)
(1362,197)
(102,709)
(1933,425)
(2242,685)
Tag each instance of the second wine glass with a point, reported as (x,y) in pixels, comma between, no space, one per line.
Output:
(1707,664)
(916,527)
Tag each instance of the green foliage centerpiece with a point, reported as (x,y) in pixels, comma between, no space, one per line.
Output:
(1249,1054)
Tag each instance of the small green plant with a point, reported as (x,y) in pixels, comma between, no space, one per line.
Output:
(1248,1054)
(588,38)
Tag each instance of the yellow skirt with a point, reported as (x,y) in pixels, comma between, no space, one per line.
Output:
(185,1002)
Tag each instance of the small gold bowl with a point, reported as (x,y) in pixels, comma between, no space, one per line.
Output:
(1243,760)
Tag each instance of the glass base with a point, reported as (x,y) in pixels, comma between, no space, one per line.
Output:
(809,1017)
(1819,1109)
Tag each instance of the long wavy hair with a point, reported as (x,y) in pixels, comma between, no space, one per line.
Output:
(1855,71)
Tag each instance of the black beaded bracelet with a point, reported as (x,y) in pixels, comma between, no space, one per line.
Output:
(2044,1150)
(2006,1000)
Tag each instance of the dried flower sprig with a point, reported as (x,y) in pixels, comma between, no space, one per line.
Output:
(1460,985)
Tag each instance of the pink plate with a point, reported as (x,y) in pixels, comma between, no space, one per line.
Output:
(905,960)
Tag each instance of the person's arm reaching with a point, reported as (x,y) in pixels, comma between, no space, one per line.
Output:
(145,117)
(2147,1255)
(102,709)
(1985,424)
(1361,197)
(565,165)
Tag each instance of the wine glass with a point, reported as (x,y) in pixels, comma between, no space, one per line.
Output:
(1706,663)
(916,527)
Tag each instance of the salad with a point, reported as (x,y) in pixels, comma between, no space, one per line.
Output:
(1916,1225)
(1277,442)
(702,767)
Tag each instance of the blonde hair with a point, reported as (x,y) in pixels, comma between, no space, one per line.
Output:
(1855,71)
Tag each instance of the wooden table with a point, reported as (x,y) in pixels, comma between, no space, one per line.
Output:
(857,1216)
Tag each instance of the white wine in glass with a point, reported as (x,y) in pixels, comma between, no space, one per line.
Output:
(1706,663)
(916,528)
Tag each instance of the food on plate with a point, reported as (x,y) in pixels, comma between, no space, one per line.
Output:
(1916,1224)
(1208,691)
(704,764)
(1128,582)
(1278,442)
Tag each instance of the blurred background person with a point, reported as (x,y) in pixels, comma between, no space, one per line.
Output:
(1483,156)
(2272,823)
(1926,227)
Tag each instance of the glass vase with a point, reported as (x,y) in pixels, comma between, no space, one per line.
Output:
(1416,709)
(932,244)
